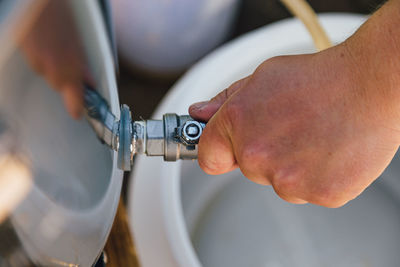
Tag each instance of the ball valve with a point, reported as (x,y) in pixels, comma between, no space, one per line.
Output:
(174,137)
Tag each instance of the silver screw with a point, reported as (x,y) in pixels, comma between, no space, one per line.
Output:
(191,132)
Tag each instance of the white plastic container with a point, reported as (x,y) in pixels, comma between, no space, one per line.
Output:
(167,36)
(183,218)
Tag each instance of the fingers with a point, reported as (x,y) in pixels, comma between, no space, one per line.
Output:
(73,100)
(291,199)
(216,154)
(288,197)
(73,92)
(205,110)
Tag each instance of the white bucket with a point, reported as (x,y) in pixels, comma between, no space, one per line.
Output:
(183,217)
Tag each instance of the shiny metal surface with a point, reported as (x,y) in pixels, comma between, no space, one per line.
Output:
(165,137)
(65,218)
(174,137)
(101,118)
(154,138)
(125,149)
(190,132)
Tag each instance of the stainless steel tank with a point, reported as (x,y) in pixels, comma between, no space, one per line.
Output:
(70,185)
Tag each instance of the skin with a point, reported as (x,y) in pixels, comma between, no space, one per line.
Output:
(53,49)
(319,128)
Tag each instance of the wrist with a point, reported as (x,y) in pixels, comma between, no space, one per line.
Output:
(373,54)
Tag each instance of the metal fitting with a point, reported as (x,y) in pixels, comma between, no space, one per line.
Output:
(191,131)
(167,138)
(174,137)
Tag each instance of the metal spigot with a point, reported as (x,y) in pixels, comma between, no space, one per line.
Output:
(174,137)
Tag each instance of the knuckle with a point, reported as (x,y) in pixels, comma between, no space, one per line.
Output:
(207,166)
(287,185)
(221,96)
(231,114)
(233,109)
(288,195)
(269,63)
(254,156)
(214,155)
(212,167)
(258,177)
(328,197)
(274,59)
(235,86)
(256,163)
(332,204)
(297,183)
(289,199)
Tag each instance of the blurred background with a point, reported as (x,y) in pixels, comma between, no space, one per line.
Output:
(143,90)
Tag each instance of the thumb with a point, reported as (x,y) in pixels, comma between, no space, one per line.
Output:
(205,110)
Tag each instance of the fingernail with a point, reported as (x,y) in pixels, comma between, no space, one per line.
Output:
(198,106)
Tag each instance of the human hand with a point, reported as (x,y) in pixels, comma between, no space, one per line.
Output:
(315,127)
(53,49)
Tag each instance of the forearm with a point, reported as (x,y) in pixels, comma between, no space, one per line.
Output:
(375,52)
